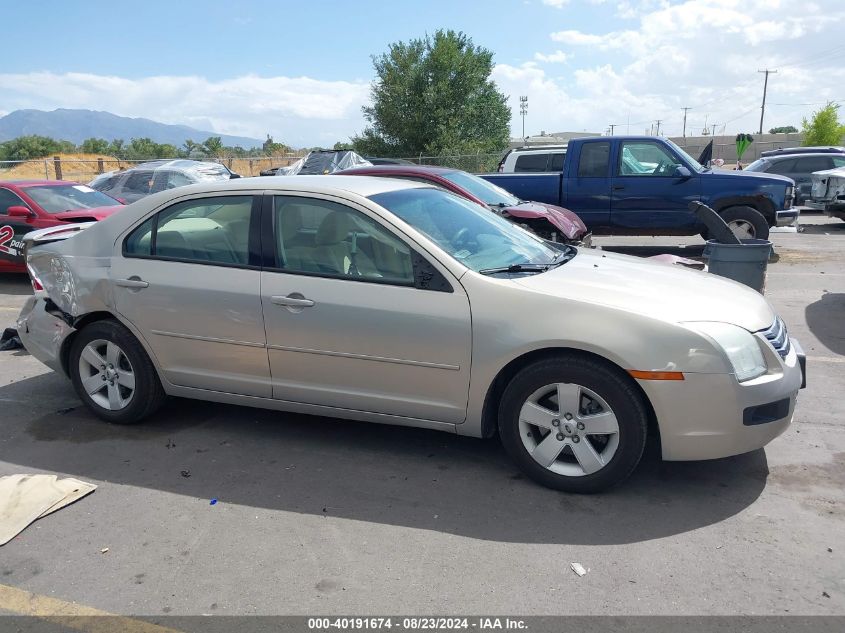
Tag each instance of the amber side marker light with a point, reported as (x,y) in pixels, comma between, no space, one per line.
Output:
(656,375)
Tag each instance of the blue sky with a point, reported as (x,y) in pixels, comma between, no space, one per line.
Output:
(300,71)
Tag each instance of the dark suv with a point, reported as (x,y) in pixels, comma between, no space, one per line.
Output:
(799,167)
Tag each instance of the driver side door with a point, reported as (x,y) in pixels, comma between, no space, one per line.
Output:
(647,193)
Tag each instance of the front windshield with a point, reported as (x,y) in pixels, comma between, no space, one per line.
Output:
(485,191)
(58,198)
(690,160)
(477,238)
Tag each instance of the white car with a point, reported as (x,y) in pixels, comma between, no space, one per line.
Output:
(391,301)
(542,159)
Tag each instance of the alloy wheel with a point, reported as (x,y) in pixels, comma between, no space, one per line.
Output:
(743,229)
(107,375)
(569,429)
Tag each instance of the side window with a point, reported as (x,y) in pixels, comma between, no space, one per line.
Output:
(594,160)
(177,179)
(9,199)
(323,237)
(531,162)
(138,182)
(782,167)
(646,159)
(557,162)
(205,230)
(838,161)
(809,164)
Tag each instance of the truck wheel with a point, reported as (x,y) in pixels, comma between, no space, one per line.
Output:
(746,223)
(573,423)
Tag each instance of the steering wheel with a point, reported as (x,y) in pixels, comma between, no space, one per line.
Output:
(460,236)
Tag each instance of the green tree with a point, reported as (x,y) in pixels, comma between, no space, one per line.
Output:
(94,146)
(116,148)
(434,96)
(340,146)
(34,146)
(213,146)
(271,148)
(824,128)
(784,129)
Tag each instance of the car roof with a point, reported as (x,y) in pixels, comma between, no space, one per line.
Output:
(542,148)
(330,183)
(421,170)
(815,149)
(774,158)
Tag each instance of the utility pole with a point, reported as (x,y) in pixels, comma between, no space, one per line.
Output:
(713,133)
(685,120)
(765,86)
(523,110)
(612,127)
(658,121)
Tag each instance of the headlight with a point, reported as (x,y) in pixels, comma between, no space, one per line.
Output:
(739,346)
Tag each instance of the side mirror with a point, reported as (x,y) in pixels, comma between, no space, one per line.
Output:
(682,171)
(19,212)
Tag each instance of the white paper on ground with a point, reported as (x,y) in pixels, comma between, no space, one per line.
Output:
(25,498)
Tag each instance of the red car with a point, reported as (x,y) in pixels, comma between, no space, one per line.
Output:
(26,205)
(546,220)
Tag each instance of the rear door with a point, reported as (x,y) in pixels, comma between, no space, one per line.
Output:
(647,191)
(348,324)
(586,186)
(189,280)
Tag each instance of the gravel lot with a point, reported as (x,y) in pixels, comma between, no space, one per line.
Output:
(318,516)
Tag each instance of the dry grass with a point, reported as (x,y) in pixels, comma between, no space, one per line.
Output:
(84,167)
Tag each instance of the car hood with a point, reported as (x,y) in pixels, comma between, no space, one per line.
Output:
(569,224)
(731,173)
(661,291)
(98,213)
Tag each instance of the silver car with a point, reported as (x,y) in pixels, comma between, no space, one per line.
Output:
(390,301)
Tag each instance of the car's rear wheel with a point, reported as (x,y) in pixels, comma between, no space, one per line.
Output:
(746,223)
(573,423)
(113,375)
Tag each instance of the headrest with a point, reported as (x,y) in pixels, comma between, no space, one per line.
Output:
(333,229)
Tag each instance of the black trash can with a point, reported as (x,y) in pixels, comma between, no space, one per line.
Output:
(745,262)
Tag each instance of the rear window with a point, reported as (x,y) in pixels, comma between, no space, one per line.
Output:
(531,163)
(594,160)
(810,164)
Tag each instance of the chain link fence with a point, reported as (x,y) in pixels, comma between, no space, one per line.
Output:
(473,163)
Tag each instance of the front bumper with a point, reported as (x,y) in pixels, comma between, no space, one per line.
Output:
(709,416)
(43,334)
(785,217)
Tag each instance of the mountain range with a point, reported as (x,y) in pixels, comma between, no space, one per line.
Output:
(78,125)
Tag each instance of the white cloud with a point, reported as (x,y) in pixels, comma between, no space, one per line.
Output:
(699,53)
(296,110)
(557,57)
(557,4)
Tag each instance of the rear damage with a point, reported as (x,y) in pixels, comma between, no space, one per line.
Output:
(828,191)
(66,288)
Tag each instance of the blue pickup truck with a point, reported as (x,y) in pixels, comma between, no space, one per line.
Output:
(644,184)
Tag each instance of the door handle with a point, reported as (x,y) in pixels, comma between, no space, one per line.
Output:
(618,187)
(293,300)
(133,282)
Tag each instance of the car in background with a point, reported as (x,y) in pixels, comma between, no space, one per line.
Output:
(384,300)
(129,185)
(813,149)
(546,220)
(828,192)
(799,166)
(536,160)
(643,185)
(27,205)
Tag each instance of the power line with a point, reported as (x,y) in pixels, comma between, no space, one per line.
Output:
(765,87)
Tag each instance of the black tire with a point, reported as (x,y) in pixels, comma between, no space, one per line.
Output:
(148,395)
(750,215)
(611,384)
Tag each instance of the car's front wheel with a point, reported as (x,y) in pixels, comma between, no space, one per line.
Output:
(113,375)
(573,423)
